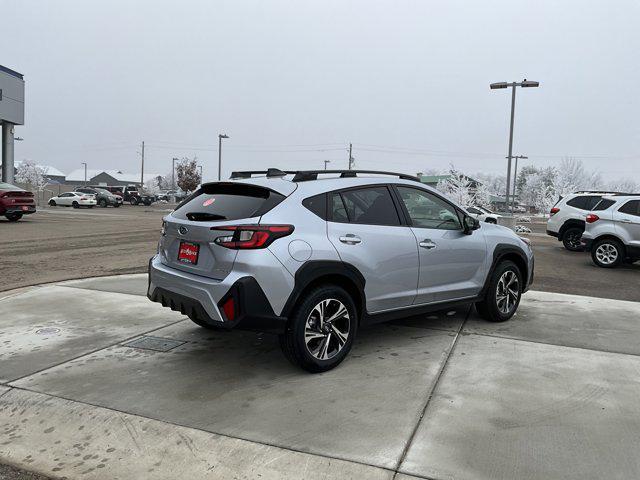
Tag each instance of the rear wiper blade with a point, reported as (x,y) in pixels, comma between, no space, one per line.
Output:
(204,216)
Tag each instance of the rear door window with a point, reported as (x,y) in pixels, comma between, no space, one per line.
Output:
(603,205)
(220,202)
(631,208)
(370,206)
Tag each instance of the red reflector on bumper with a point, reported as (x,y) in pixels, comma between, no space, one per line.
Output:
(229,308)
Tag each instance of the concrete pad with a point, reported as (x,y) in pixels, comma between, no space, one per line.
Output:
(507,409)
(62,438)
(239,384)
(135,284)
(3,390)
(49,325)
(449,320)
(571,320)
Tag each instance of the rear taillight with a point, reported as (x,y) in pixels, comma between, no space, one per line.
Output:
(246,237)
(592,217)
(554,210)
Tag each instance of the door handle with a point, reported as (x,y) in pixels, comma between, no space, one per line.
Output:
(427,243)
(350,239)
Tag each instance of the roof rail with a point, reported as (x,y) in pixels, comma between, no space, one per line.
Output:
(607,192)
(306,175)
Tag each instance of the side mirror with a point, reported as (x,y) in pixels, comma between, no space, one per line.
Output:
(470,224)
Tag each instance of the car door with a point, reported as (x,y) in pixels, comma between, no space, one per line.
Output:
(65,199)
(453,264)
(627,222)
(365,228)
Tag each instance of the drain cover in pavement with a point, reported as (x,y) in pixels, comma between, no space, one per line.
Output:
(156,344)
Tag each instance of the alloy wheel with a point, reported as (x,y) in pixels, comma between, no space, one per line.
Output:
(327,329)
(573,240)
(507,292)
(607,254)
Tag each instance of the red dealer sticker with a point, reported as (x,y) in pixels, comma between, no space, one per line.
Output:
(188,253)
(208,202)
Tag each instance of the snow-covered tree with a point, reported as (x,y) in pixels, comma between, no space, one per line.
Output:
(187,175)
(457,187)
(481,195)
(31,174)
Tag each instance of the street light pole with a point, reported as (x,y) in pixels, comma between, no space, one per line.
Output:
(515,179)
(525,84)
(220,137)
(85,173)
(325,163)
(173,173)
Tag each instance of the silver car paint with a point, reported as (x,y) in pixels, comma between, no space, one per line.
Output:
(397,271)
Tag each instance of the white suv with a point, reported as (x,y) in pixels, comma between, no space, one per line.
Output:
(612,233)
(567,220)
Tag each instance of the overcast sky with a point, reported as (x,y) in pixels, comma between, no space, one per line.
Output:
(293,82)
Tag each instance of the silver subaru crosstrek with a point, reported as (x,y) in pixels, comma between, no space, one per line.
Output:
(314,255)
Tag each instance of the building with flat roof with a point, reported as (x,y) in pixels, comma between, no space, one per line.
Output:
(11,114)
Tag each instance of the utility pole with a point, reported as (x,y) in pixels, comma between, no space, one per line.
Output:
(220,137)
(325,163)
(142,168)
(200,167)
(525,84)
(351,159)
(515,179)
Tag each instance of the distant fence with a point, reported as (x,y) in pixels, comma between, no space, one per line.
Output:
(43,196)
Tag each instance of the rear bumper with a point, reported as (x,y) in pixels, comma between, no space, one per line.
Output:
(201,298)
(553,234)
(587,243)
(19,209)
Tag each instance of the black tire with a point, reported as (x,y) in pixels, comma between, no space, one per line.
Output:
(52,203)
(607,253)
(491,308)
(13,217)
(571,239)
(75,205)
(103,203)
(116,205)
(326,337)
(147,204)
(133,201)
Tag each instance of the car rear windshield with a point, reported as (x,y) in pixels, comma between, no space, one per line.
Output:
(9,187)
(230,201)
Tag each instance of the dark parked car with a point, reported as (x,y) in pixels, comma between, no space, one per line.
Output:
(103,197)
(15,202)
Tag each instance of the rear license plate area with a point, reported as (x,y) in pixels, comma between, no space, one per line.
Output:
(188,253)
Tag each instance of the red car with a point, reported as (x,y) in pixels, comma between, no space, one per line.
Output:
(15,202)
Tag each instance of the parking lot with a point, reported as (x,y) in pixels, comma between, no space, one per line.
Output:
(98,382)
(63,243)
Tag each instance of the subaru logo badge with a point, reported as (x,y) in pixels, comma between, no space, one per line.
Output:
(183,230)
